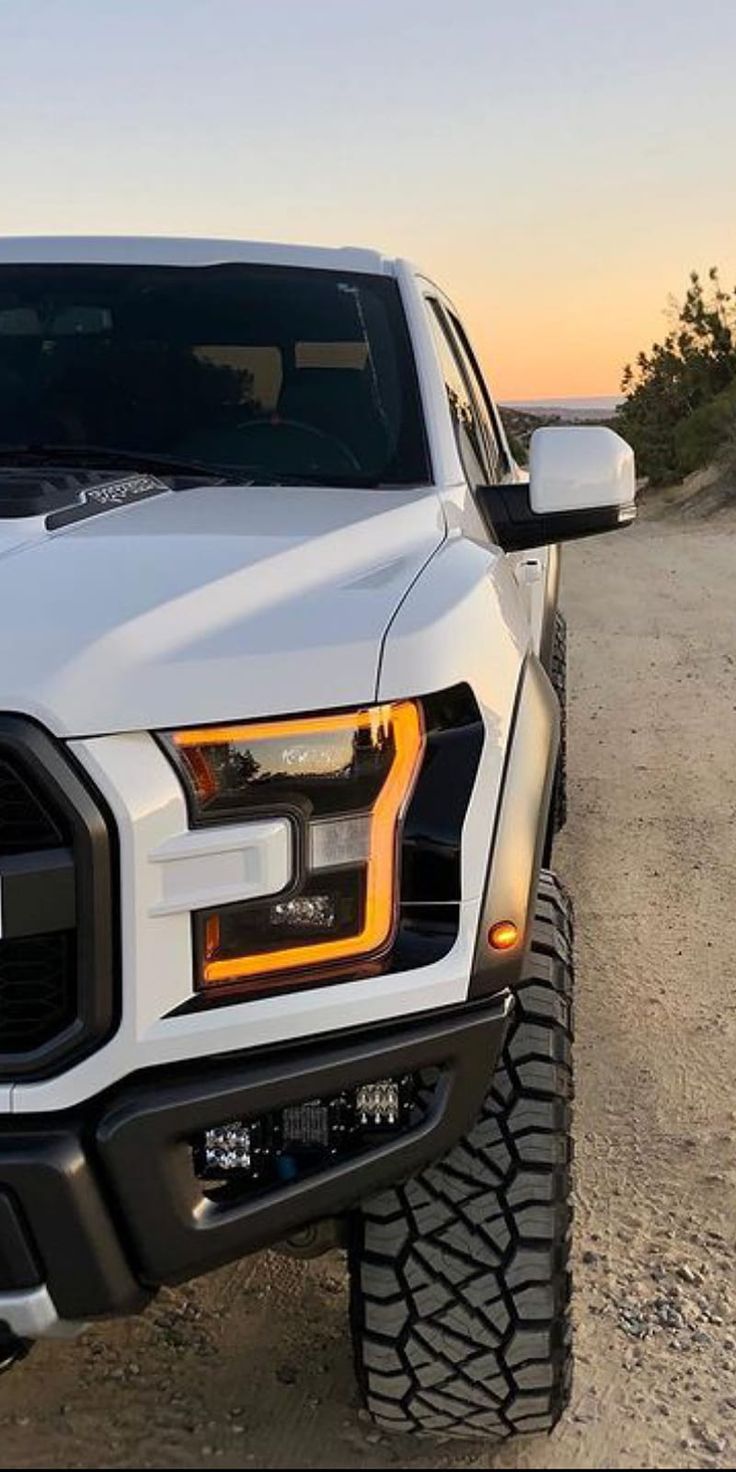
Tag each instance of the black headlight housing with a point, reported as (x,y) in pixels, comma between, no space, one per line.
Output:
(377,799)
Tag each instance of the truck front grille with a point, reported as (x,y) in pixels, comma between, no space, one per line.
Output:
(57,946)
(24,822)
(38,991)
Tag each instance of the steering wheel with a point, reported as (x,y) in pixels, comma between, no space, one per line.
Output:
(321,434)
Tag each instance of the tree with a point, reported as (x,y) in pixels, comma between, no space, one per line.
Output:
(681,377)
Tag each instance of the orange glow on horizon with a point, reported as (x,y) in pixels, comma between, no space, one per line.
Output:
(570,337)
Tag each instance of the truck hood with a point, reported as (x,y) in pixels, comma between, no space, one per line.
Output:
(208,604)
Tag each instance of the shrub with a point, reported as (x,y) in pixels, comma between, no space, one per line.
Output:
(674,414)
(700,437)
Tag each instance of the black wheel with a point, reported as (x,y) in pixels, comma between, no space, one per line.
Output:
(12,1350)
(460,1285)
(558,676)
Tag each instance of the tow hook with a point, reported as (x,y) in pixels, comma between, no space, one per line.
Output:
(314,1240)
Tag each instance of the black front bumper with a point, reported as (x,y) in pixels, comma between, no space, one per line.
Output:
(102,1205)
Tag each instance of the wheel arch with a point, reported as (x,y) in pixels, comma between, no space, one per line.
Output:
(519,842)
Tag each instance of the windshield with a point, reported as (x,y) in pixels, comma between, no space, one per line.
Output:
(269,371)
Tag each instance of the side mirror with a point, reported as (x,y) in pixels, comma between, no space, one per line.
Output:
(581,482)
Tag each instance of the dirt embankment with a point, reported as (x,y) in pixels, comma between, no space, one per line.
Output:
(252,1367)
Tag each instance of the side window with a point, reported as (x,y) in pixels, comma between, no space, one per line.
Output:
(465,414)
(496,452)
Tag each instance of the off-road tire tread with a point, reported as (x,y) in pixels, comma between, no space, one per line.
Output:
(460,1285)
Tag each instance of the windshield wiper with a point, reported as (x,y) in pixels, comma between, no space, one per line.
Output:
(74,456)
(313,478)
(108,455)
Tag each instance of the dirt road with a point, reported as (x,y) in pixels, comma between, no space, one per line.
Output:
(252,1367)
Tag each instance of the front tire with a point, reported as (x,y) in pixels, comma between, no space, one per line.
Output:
(12,1350)
(460,1285)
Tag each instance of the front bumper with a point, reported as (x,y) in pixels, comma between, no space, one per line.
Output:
(104,1206)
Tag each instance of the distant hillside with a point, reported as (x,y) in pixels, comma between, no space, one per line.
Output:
(521,422)
(591,410)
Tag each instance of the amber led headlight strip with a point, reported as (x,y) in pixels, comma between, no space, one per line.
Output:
(346,780)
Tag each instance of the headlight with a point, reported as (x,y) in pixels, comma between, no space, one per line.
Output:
(344,781)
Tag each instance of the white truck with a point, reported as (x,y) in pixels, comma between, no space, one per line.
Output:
(282,960)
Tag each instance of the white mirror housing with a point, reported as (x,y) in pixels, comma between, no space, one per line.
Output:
(578,469)
(582,481)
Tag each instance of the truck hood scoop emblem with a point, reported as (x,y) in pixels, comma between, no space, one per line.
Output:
(63,496)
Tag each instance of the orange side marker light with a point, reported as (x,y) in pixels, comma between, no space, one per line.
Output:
(503,935)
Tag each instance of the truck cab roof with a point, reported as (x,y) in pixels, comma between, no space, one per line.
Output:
(140,250)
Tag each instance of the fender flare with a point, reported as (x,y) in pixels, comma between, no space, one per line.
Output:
(520,830)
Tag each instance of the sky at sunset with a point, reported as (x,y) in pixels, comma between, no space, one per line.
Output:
(558,167)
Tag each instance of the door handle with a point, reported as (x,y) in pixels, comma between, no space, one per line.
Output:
(529,570)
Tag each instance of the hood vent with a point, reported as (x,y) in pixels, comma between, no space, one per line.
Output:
(35,492)
(64,496)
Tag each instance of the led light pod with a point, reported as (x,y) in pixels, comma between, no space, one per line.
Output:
(378,1103)
(227,1147)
